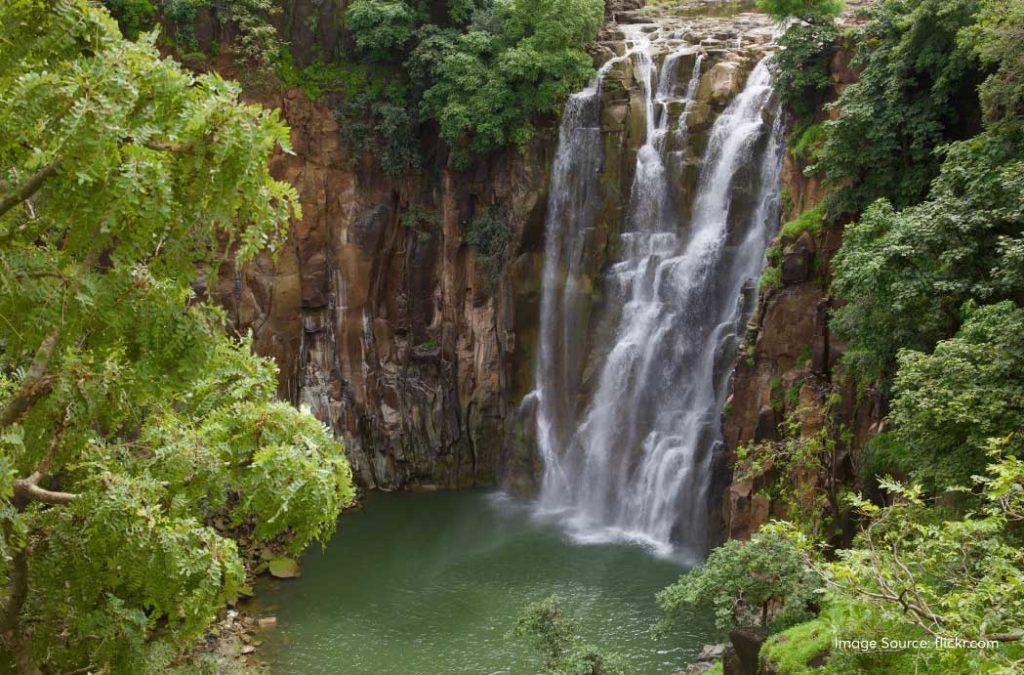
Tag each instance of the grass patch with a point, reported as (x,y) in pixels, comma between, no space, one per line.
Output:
(806,141)
(790,651)
(771,279)
(812,221)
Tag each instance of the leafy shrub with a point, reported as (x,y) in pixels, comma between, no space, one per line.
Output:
(802,65)
(804,10)
(490,233)
(764,583)
(555,638)
(385,126)
(812,502)
(381,28)
(133,16)
(947,404)
(916,573)
(257,42)
(998,41)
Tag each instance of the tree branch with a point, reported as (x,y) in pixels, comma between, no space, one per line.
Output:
(168,147)
(28,188)
(37,383)
(27,488)
(17,589)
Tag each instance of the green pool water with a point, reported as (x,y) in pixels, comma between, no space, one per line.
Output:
(432,583)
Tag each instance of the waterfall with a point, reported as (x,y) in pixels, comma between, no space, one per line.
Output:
(630,458)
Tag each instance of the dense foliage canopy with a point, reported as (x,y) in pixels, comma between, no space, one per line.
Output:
(482,71)
(485,74)
(143,453)
(917,84)
(801,10)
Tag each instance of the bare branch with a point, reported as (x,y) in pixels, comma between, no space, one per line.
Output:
(37,383)
(169,147)
(27,489)
(28,188)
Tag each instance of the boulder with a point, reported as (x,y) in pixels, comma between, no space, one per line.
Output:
(798,262)
(747,645)
(721,83)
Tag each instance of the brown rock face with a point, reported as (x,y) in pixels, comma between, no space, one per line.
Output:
(380,316)
(786,372)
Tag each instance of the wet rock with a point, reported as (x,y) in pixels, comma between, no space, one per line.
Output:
(721,83)
(631,16)
(798,262)
(711,652)
(767,425)
(747,645)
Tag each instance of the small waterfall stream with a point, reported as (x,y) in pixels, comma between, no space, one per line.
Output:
(628,454)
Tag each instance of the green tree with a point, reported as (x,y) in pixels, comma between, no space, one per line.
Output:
(803,66)
(133,16)
(555,638)
(382,28)
(907,274)
(804,10)
(916,573)
(915,93)
(998,40)
(764,583)
(489,86)
(948,403)
(143,455)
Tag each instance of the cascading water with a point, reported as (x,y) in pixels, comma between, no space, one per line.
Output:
(634,461)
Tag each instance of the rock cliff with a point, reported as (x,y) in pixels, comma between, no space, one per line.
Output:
(419,352)
(382,319)
(393,329)
(786,383)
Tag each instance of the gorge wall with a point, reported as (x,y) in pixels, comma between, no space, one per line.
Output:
(379,314)
(786,385)
(392,328)
(419,352)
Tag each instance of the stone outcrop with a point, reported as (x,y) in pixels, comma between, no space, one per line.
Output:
(788,369)
(380,316)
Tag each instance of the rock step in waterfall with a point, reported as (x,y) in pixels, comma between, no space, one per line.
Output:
(628,419)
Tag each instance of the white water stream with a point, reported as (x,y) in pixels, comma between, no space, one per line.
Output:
(629,455)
